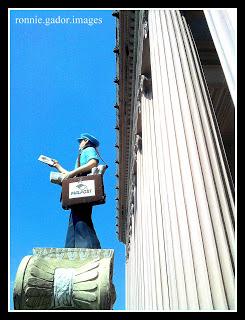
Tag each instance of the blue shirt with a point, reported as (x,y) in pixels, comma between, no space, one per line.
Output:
(86,155)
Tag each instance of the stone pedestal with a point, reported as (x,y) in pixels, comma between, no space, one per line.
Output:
(65,278)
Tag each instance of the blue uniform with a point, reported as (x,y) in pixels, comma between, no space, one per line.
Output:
(86,155)
(81,233)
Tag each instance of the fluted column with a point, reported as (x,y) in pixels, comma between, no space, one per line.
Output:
(153,223)
(181,213)
(190,203)
(145,229)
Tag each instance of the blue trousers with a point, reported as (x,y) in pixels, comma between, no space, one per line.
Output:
(81,233)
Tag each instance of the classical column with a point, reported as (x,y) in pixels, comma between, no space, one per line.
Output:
(158,239)
(222,25)
(191,208)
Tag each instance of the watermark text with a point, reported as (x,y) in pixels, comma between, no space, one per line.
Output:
(59,20)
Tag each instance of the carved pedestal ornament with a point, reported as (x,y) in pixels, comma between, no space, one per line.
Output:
(64,278)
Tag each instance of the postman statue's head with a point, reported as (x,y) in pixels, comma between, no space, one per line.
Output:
(86,139)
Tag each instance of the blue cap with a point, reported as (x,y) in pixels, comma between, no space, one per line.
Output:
(90,138)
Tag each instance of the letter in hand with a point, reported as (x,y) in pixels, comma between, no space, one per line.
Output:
(46,160)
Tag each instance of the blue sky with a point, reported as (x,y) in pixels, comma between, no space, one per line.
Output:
(61,85)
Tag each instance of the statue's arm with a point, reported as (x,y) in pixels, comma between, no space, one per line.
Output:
(59,167)
(82,169)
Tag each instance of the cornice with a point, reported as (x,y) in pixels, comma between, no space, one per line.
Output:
(127,44)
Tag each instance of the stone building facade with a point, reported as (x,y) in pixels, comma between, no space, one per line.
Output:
(176,112)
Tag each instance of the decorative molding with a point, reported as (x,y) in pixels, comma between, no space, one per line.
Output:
(130,34)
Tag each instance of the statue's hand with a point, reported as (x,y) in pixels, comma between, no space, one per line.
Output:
(56,163)
(65,175)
